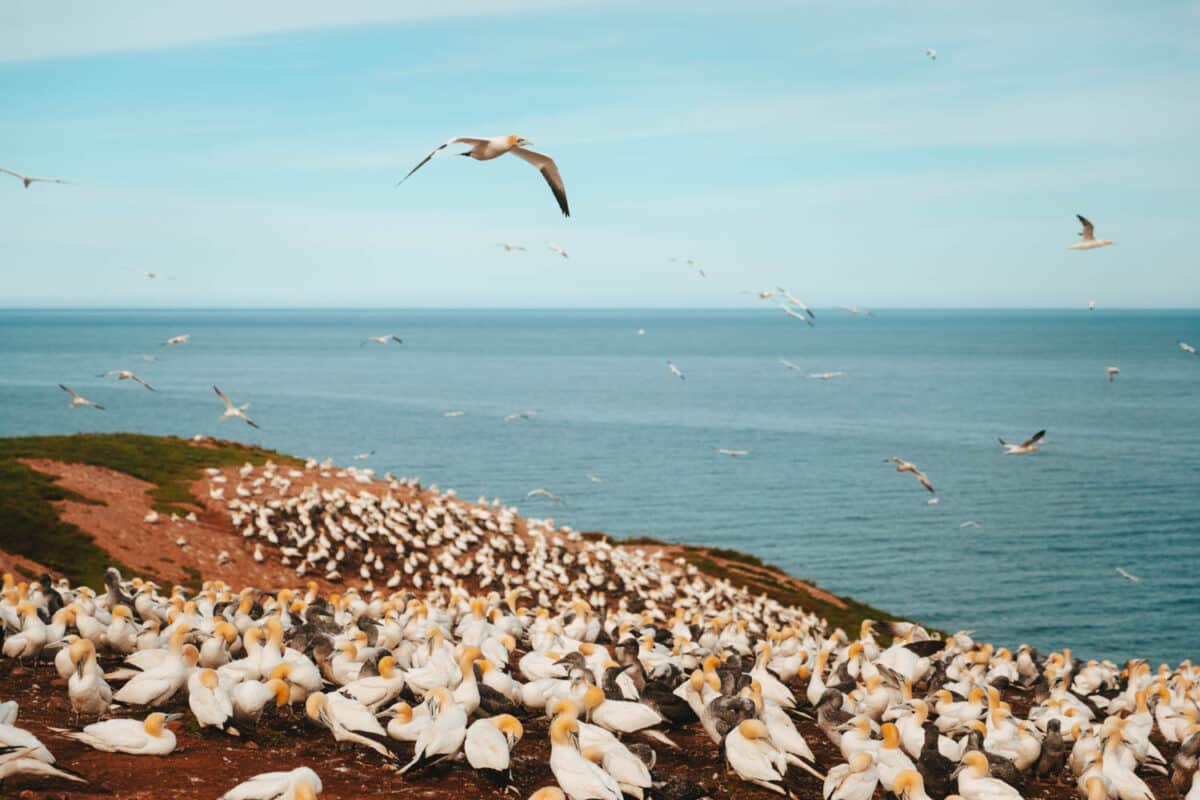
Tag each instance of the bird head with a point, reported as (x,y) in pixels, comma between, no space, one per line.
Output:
(519,141)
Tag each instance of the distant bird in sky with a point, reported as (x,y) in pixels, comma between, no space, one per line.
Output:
(1030,445)
(855,311)
(970,524)
(508,248)
(77,401)
(181,339)
(933,501)
(546,493)
(929,51)
(364,456)
(691,262)
(825,376)
(595,478)
(1187,348)
(724,451)
(520,415)
(232,411)
(1091,305)
(1113,372)
(29,180)
(791,365)
(553,248)
(641,331)
(1089,242)
(126,375)
(908,466)
(151,275)
(382,339)
(455,413)
(487,149)
(1127,575)
(675,371)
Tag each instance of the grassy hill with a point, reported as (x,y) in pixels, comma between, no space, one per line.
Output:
(30,524)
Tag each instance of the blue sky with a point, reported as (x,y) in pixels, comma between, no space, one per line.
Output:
(250,153)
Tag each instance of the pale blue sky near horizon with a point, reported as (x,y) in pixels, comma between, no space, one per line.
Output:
(248,155)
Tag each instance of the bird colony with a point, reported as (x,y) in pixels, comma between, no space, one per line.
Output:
(465,638)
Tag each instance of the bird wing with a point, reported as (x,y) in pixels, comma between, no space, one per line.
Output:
(1037,437)
(46,180)
(142,382)
(68,391)
(224,399)
(923,479)
(10,172)
(396,339)
(438,149)
(1087,228)
(549,170)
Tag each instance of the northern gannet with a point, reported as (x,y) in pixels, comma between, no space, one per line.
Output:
(1112,373)
(855,311)
(181,339)
(1089,241)
(1091,305)
(854,780)
(908,466)
(391,337)
(126,375)
(508,248)
(29,180)
(139,738)
(675,371)
(546,493)
(1127,575)
(791,365)
(792,300)
(77,400)
(1187,348)
(826,376)
(554,248)
(297,784)
(723,451)
(1030,445)
(487,149)
(929,51)
(232,411)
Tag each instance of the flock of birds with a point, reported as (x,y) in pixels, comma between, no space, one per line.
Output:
(473,628)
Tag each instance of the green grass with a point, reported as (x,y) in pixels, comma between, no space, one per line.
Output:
(29,523)
(749,572)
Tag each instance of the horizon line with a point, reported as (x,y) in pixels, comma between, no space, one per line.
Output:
(872,309)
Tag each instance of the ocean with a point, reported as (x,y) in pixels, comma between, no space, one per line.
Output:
(629,448)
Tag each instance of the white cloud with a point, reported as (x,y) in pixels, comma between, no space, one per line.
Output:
(43,29)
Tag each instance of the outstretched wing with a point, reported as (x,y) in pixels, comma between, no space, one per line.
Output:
(10,172)
(549,170)
(224,399)
(68,391)
(142,382)
(1087,228)
(438,149)
(923,479)
(1037,437)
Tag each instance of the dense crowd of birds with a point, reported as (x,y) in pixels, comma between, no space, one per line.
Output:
(470,622)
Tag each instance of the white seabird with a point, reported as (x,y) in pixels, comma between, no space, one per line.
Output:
(232,411)
(391,337)
(126,375)
(675,371)
(554,248)
(1030,445)
(929,51)
(77,400)
(28,180)
(181,339)
(1089,242)
(908,466)
(1112,372)
(487,149)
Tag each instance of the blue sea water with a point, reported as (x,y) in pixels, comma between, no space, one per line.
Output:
(1115,484)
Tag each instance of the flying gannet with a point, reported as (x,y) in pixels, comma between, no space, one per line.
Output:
(691,262)
(508,248)
(77,401)
(1112,372)
(908,466)
(1089,242)
(1030,445)
(232,411)
(826,376)
(675,371)
(126,375)
(929,51)
(487,149)
(1187,348)
(554,248)
(391,337)
(181,339)
(1127,575)
(724,451)
(791,365)
(29,180)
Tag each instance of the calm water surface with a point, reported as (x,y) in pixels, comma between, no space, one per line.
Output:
(1115,485)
